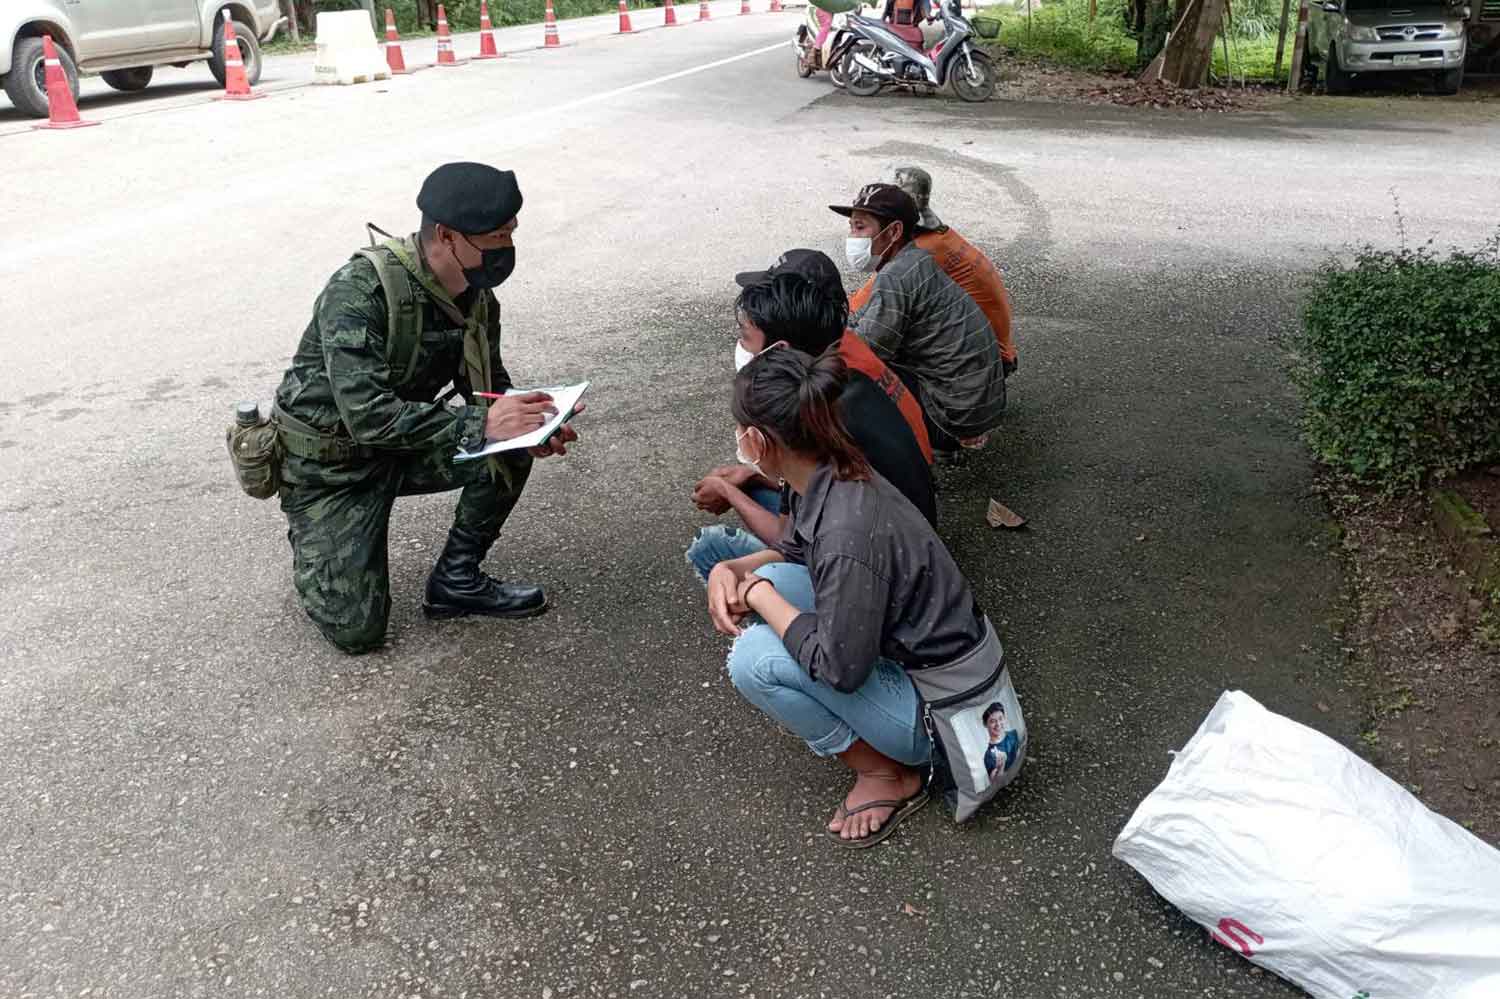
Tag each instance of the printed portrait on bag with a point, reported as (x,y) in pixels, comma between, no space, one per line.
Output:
(993,738)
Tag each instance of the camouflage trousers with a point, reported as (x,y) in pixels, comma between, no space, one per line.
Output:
(338,519)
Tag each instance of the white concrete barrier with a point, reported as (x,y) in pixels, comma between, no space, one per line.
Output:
(347,50)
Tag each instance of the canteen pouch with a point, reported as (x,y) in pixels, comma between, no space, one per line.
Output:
(256,457)
(974,756)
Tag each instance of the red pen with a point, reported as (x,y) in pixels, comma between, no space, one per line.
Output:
(492,395)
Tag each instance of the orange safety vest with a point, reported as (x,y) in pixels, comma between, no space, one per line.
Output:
(858,355)
(972,271)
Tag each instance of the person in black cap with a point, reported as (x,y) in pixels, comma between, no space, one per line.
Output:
(799,303)
(362,416)
(921,323)
(759,328)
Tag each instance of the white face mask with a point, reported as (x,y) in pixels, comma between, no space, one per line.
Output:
(743,357)
(857,250)
(861,251)
(739,451)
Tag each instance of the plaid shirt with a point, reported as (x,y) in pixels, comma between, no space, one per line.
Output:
(918,320)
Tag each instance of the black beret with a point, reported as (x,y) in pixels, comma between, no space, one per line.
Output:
(470,197)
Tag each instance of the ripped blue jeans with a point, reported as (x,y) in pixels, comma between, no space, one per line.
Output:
(885,711)
(717,543)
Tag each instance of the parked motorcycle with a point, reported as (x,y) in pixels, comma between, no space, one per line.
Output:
(873,57)
(811,58)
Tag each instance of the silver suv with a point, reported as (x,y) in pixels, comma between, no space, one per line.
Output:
(123,40)
(1349,38)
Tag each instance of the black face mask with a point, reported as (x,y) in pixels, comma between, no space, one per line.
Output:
(494,267)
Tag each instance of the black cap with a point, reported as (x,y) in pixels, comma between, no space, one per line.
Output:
(885,201)
(470,197)
(810,265)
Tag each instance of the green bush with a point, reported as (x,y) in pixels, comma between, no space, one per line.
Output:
(1399,363)
(1061,31)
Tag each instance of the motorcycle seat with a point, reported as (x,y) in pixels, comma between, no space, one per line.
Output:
(911,34)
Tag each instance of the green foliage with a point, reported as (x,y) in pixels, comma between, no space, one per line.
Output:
(1060,31)
(1399,363)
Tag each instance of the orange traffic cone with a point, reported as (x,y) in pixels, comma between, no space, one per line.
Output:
(445,41)
(62,110)
(487,48)
(703,14)
(670,20)
(625,28)
(393,56)
(549,31)
(776,6)
(744,7)
(236,83)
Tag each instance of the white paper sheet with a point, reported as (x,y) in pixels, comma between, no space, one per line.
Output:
(564,397)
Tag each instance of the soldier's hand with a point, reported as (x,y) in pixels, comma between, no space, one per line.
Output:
(514,415)
(558,443)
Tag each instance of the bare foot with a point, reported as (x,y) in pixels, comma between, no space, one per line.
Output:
(894,785)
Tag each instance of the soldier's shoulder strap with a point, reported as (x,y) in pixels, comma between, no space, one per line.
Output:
(403,310)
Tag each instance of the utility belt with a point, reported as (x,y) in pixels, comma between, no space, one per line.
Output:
(299,439)
(258,444)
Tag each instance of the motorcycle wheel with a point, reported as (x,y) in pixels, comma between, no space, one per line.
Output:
(836,74)
(804,65)
(857,80)
(978,87)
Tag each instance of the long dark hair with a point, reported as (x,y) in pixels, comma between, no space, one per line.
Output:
(793,397)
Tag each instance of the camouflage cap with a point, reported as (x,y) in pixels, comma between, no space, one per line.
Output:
(918,183)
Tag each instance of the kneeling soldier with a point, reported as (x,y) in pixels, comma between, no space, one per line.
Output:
(360,421)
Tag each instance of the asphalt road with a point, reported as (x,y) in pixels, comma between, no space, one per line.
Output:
(202,798)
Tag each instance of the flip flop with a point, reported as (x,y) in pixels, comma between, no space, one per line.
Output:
(901,809)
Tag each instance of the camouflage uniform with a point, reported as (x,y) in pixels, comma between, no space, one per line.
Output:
(394,440)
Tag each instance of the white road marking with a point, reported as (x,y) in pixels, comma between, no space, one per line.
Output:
(644,84)
(25,129)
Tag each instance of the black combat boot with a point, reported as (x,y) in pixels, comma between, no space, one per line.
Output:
(457,587)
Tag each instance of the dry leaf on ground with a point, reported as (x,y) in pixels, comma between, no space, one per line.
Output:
(1000,515)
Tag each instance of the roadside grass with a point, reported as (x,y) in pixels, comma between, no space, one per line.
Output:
(1061,32)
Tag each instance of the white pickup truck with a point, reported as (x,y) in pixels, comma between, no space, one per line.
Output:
(124,40)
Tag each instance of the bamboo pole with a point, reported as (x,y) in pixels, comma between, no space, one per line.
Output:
(1299,50)
(1286,14)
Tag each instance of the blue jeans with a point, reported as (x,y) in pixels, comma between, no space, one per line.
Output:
(715,544)
(884,711)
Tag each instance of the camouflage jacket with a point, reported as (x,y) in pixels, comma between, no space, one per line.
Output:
(339,381)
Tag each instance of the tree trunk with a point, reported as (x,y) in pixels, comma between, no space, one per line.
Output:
(1190,51)
(1150,20)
